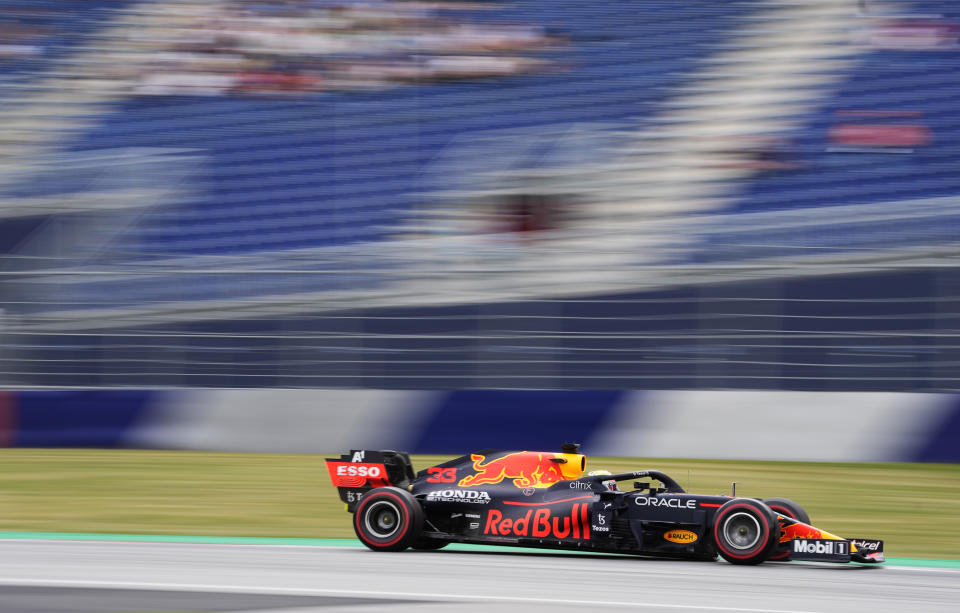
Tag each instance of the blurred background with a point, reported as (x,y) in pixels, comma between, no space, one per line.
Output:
(305,225)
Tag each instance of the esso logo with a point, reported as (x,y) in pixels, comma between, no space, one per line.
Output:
(358,470)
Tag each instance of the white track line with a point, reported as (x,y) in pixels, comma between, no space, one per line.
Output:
(442,597)
(923,569)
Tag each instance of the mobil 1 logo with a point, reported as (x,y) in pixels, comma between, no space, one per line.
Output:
(820,549)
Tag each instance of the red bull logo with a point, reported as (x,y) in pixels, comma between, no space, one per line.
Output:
(526,469)
(542,523)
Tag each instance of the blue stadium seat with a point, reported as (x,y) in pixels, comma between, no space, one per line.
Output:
(340,168)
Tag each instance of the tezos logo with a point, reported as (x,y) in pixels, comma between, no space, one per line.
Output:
(601,523)
(681,536)
(580,485)
(470,496)
(674,503)
(360,470)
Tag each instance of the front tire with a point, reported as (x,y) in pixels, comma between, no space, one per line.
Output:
(745,531)
(788,508)
(388,519)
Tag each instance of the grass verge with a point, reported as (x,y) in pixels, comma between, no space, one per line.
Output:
(913,507)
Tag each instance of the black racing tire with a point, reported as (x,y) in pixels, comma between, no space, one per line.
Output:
(745,531)
(425,544)
(388,519)
(787,507)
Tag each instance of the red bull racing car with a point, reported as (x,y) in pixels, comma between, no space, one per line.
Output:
(544,500)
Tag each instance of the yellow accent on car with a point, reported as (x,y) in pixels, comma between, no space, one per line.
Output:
(573,467)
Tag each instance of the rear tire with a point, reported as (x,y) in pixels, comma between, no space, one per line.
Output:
(388,519)
(787,507)
(745,531)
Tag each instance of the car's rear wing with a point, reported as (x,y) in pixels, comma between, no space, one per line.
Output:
(361,470)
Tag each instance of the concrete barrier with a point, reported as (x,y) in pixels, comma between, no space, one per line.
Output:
(816,426)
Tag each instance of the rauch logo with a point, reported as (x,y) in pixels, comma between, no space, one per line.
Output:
(681,536)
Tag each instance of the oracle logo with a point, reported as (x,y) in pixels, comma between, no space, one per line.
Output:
(656,501)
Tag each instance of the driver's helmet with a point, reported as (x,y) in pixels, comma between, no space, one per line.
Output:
(610,484)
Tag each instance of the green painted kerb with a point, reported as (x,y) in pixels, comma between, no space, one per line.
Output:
(253,540)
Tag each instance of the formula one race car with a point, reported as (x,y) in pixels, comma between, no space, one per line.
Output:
(543,499)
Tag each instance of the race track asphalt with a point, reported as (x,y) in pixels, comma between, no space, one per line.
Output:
(131,577)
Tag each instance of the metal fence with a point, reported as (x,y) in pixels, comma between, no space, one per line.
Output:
(849,325)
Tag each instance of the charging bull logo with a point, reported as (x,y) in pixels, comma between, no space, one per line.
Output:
(526,468)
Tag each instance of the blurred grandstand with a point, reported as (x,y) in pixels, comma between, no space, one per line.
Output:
(402,194)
